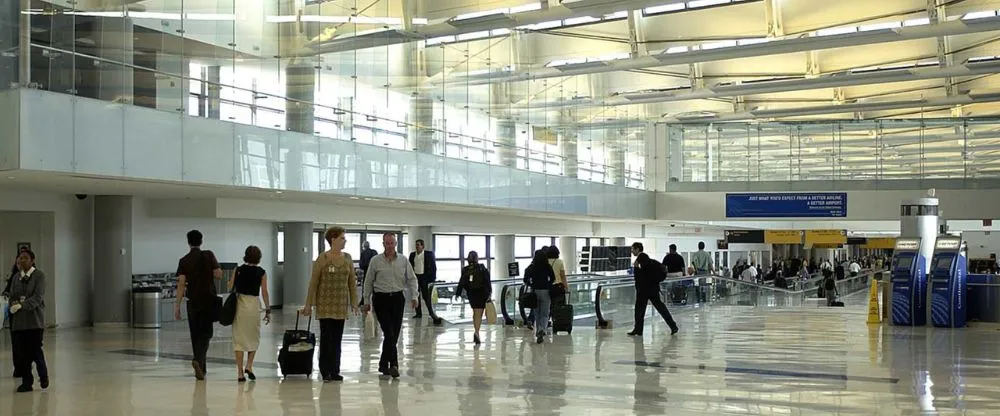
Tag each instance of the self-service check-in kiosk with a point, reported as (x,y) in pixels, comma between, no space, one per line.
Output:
(948,279)
(909,283)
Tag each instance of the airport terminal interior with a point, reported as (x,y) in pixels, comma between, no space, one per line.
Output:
(808,187)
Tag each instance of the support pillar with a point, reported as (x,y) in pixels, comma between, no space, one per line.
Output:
(616,156)
(298,261)
(113,259)
(567,250)
(421,134)
(506,137)
(568,146)
(300,87)
(504,254)
(115,79)
(212,92)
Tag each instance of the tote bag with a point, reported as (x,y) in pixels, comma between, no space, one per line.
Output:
(491,313)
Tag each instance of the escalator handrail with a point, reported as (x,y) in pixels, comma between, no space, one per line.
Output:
(504,290)
(602,323)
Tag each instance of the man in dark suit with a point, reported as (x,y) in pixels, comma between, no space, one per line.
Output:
(648,275)
(425,267)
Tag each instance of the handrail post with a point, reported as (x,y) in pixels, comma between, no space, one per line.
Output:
(601,322)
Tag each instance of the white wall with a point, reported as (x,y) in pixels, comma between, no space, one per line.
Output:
(60,228)
(982,243)
(158,242)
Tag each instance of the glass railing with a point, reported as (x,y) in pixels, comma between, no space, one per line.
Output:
(614,302)
(580,294)
(457,311)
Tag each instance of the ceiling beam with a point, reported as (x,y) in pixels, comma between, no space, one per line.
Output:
(965,99)
(833,80)
(773,47)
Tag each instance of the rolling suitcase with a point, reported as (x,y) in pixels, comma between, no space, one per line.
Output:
(297,350)
(678,295)
(562,318)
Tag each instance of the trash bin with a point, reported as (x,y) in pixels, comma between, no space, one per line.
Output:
(146,307)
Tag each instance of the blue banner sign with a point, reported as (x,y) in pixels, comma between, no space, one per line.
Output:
(787,205)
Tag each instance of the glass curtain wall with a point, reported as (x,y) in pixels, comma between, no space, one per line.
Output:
(345,70)
(878,150)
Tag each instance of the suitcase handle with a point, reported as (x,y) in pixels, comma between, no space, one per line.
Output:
(308,324)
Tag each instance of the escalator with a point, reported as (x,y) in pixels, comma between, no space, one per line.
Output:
(615,302)
(599,299)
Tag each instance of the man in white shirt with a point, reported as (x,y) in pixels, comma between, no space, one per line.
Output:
(750,273)
(854,268)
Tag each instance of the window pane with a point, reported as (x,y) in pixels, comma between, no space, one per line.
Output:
(446,247)
(281,246)
(449,270)
(374,241)
(405,246)
(522,247)
(475,243)
(353,246)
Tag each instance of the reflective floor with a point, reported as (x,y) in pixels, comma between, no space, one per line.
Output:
(726,360)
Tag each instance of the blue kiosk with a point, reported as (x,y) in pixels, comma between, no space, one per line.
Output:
(909,283)
(948,280)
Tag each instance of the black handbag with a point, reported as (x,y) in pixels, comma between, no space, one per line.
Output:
(528,299)
(227,314)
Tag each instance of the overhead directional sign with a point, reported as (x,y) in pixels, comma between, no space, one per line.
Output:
(787,205)
(744,236)
(783,237)
(826,237)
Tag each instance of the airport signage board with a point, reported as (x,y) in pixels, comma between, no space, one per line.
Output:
(826,237)
(783,236)
(948,243)
(744,236)
(909,244)
(786,205)
(880,243)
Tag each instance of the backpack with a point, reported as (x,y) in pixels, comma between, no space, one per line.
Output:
(830,284)
(662,274)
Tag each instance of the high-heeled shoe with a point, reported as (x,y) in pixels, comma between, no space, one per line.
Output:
(250,375)
(476,340)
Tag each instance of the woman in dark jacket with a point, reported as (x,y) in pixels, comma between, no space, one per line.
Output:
(27,320)
(539,276)
(476,283)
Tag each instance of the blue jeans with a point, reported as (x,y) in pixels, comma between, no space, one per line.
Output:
(542,311)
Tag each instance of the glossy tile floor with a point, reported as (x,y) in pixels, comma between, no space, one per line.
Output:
(725,360)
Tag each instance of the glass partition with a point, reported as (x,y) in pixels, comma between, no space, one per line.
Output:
(870,150)
(353,71)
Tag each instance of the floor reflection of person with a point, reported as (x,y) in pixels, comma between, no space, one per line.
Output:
(647,396)
(389,392)
(475,398)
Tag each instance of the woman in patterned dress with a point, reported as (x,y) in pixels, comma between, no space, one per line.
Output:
(333,292)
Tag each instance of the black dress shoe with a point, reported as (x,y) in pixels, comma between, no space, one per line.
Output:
(634,333)
(384,370)
(24,388)
(336,377)
(394,372)
(417,316)
(674,330)
(44,383)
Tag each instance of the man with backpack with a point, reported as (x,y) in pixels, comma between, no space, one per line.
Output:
(649,274)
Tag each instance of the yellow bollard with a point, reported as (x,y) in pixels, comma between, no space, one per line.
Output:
(874,317)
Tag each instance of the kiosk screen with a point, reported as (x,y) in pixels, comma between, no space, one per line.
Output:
(943,263)
(904,263)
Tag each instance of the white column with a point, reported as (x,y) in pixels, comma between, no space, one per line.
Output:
(568,144)
(923,226)
(504,254)
(615,145)
(567,250)
(113,259)
(419,233)
(299,256)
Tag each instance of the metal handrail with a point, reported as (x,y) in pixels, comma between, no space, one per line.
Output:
(603,323)
(608,279)
(519,285)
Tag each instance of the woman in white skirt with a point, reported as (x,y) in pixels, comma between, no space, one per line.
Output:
(249,282)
